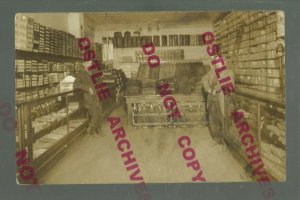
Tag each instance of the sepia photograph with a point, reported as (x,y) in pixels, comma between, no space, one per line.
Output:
(150,97)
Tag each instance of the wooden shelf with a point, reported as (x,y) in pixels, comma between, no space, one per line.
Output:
(32,88)
(278,103)
(41,73)
(30,55)
(167,61)
(18,103)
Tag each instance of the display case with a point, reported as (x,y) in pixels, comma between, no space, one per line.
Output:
(266,120)
(46,126)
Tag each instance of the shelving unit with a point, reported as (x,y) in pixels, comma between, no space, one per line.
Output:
(49,118)
(249,43)
(39,74)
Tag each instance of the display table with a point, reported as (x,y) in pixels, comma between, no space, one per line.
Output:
(149,111)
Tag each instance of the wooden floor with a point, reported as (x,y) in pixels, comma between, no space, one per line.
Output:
(95,159)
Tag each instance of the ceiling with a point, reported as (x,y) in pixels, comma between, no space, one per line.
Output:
(153,18)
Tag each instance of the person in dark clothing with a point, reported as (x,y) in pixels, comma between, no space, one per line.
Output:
(210,85)
(215,104)
(91,102)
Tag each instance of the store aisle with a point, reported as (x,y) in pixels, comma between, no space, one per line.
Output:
(95,159)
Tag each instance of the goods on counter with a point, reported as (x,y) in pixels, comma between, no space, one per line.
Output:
(150,111)
(174,71)
(148,87)
(115,77)
(167,70)
(143,71)
(134,87)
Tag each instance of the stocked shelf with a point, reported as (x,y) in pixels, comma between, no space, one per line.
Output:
(18,103)
(169,61)
(276,102)
(249,43)
(249,40)
(22,54)
(127,40)
(36,87)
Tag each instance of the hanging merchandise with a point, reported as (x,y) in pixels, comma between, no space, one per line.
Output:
(118,39)
(181,40)
(193,40)
(104,55)
(108,49)
(143,40)
(175,38)
(134,41)
(187,40)
(156,40)
(127,39)
(148,39)
(137,38)
(171,40)
(164,40)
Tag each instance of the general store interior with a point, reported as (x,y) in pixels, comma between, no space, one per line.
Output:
(52,123)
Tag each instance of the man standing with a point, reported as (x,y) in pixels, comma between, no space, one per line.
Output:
(91,102)
(215,104)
